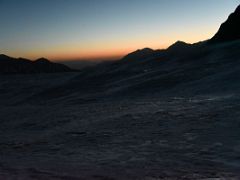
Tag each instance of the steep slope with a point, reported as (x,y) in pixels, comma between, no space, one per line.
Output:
(9,65)
(229,30)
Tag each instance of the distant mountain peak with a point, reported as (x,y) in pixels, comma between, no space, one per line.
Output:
(178,46)
(139,54)
(10,65)
(3,55)
(42,60)
(230,29)
(142,51)
(145,50)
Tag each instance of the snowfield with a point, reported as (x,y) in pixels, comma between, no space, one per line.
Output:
(195,137)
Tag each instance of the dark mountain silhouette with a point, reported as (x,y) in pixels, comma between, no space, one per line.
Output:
(229,30)
(42,61)
(139,54)
(179,46)
(10,65)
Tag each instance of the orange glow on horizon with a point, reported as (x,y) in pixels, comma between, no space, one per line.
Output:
(111,49)
(94,55)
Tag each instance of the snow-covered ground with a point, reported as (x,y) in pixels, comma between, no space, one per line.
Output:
(153,137)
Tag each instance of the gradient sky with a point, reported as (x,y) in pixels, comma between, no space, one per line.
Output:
(98,29)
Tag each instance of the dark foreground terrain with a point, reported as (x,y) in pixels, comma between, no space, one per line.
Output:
(49,133)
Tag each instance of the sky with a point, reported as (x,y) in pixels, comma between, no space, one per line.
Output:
(104,29)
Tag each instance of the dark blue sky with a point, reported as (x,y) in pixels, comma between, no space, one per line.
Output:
(68,29)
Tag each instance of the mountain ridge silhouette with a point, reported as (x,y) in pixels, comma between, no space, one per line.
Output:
(229,30)
(10,65)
